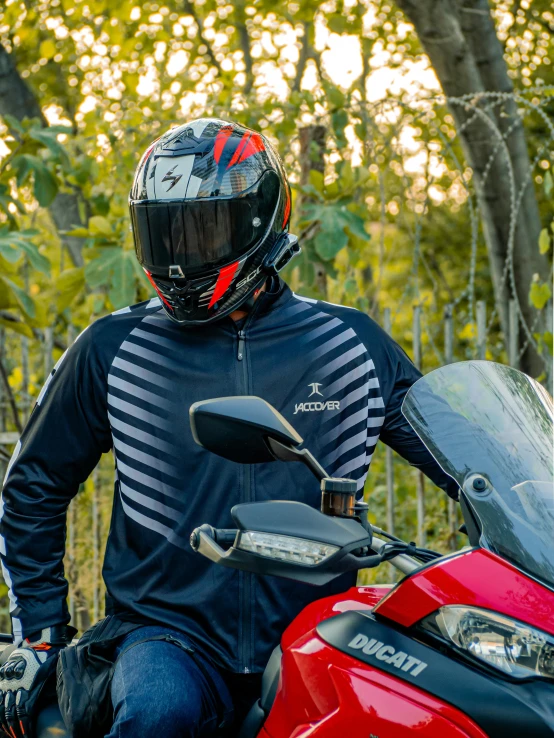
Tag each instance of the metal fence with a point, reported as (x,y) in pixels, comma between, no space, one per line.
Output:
(428,351)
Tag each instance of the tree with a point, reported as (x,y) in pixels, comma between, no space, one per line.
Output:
(467,56)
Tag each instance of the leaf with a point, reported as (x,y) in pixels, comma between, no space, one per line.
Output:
(12,123)
(9,252)
(68,285)
(100,226)
(47,138)
(46,184)
(340,121)
(24,301)
(539,294)
(122,292)
(328,243)
(13,243)
(17,326)
(98,272)
(337,23)
(355,225)
(47,49)
(79,232)
(316,179)
(334,95)
(544,241)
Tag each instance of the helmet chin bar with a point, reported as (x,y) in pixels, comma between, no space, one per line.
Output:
(181,295)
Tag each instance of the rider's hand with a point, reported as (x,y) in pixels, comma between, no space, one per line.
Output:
(23,675)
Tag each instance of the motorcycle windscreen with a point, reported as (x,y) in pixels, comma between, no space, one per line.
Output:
(204,233)
(478,417)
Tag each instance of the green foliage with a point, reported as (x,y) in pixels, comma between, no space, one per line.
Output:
(381,203)
(539,294)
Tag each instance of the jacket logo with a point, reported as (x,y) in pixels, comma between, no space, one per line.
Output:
(170,178)
(310,407)
(387,654)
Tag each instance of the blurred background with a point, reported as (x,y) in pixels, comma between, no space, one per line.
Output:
(418,137)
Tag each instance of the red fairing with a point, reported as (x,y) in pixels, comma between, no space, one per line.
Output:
(356,598)
(478,578)
(327,694)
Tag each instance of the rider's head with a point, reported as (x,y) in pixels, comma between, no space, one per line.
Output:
(210,210)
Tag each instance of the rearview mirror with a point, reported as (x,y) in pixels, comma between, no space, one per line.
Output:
(248,430)
(237,428)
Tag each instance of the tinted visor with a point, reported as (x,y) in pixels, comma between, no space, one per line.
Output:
(203,233)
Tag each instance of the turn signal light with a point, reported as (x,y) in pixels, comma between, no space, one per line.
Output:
(286,548)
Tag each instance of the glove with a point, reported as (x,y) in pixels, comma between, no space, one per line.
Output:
(23,676)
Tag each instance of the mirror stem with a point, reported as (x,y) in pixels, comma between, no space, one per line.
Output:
(288,453)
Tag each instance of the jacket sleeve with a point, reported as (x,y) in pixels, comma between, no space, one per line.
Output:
(66,434)
(397,374)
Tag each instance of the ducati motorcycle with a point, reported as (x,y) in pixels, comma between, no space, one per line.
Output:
(463,645)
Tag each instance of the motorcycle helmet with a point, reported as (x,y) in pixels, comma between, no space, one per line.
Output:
(210,209)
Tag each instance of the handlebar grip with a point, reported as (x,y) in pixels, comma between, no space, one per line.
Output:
(219,535)
(225,535)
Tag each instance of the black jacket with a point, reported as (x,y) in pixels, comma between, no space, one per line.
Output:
(127,384)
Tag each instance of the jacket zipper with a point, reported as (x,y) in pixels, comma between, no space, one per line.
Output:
(246,580)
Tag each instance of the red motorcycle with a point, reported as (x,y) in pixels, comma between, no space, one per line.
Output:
(463,645)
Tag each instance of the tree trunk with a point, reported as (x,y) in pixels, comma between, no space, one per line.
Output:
(464,50)
(17,99)
(312,146)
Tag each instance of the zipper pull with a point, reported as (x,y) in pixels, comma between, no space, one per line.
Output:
(240,353)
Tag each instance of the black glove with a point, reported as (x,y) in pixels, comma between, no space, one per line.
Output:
(23,676)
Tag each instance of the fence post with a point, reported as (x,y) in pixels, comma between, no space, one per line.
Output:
(513,336)
(389,459)
(449,358)
(48,349)
(420,491)
(25,372)
(481,312)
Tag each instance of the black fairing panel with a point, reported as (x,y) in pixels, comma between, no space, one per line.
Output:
(260,710)
(502,708)
(270,680)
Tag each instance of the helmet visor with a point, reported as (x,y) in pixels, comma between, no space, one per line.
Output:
(204,233)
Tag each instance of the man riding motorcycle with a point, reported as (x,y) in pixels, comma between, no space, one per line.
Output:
(210,211)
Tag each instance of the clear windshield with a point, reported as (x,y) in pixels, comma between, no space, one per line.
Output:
(487,419)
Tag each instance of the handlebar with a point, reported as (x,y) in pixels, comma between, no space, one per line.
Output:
(223,536)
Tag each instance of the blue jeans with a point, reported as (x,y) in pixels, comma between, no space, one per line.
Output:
(160,690)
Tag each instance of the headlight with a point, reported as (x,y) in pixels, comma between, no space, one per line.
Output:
(286,548)
(515,648)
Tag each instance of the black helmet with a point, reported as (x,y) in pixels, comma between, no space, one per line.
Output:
(210,209)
